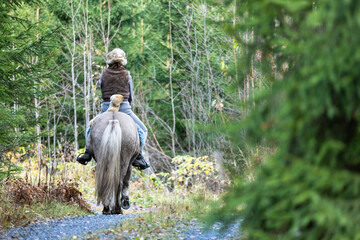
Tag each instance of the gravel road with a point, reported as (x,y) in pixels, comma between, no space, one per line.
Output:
(196,231)
(91,225)
(65,227)
(68,228)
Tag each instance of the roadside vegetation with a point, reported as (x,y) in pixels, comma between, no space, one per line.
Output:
(27,197)
(22,203)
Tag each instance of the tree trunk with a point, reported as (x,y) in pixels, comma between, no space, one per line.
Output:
(73,78)
(38,145)
(171,87)
(86,69)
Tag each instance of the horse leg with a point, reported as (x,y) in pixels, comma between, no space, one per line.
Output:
(125,202)
(106,210)
(117,209)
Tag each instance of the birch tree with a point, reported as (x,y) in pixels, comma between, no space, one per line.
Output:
(72,52)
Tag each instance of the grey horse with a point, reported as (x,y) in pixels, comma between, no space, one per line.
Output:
(114,143)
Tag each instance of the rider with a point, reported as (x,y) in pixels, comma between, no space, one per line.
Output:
(117,80)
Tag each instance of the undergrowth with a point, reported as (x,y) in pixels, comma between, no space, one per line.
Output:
(22,203)
(58,189)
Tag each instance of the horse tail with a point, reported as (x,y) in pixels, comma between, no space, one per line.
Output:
(108,165)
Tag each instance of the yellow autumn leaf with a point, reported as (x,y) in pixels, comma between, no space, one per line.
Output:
(235,43)
(223,66)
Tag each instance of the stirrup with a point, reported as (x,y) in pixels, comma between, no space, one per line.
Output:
(82,161)
(140,164)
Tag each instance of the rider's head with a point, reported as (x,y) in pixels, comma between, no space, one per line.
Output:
(116,55)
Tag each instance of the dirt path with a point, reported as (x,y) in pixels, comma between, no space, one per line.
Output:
(65,227)
(68,227)
(100,226)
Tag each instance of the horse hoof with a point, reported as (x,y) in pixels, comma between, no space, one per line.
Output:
(106,211)
(125,203)
(117,211)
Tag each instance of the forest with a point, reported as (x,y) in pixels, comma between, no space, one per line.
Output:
(252,111)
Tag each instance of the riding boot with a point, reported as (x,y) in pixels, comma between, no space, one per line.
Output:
(84,158)
(140,162)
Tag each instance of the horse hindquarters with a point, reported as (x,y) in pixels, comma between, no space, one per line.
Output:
(108,177)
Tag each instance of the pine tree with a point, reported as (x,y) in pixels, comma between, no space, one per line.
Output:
(309,189)
(20,42)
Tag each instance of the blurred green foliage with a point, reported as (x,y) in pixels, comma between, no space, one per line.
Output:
(309,189)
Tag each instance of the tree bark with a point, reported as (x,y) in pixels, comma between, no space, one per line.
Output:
(38,132)
(73,78)
(171,87)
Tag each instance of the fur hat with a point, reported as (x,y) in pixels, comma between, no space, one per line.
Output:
(116,55)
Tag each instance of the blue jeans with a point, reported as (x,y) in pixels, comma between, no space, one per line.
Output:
(125,107)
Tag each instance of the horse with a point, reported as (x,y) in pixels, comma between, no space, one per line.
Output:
(114,143)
